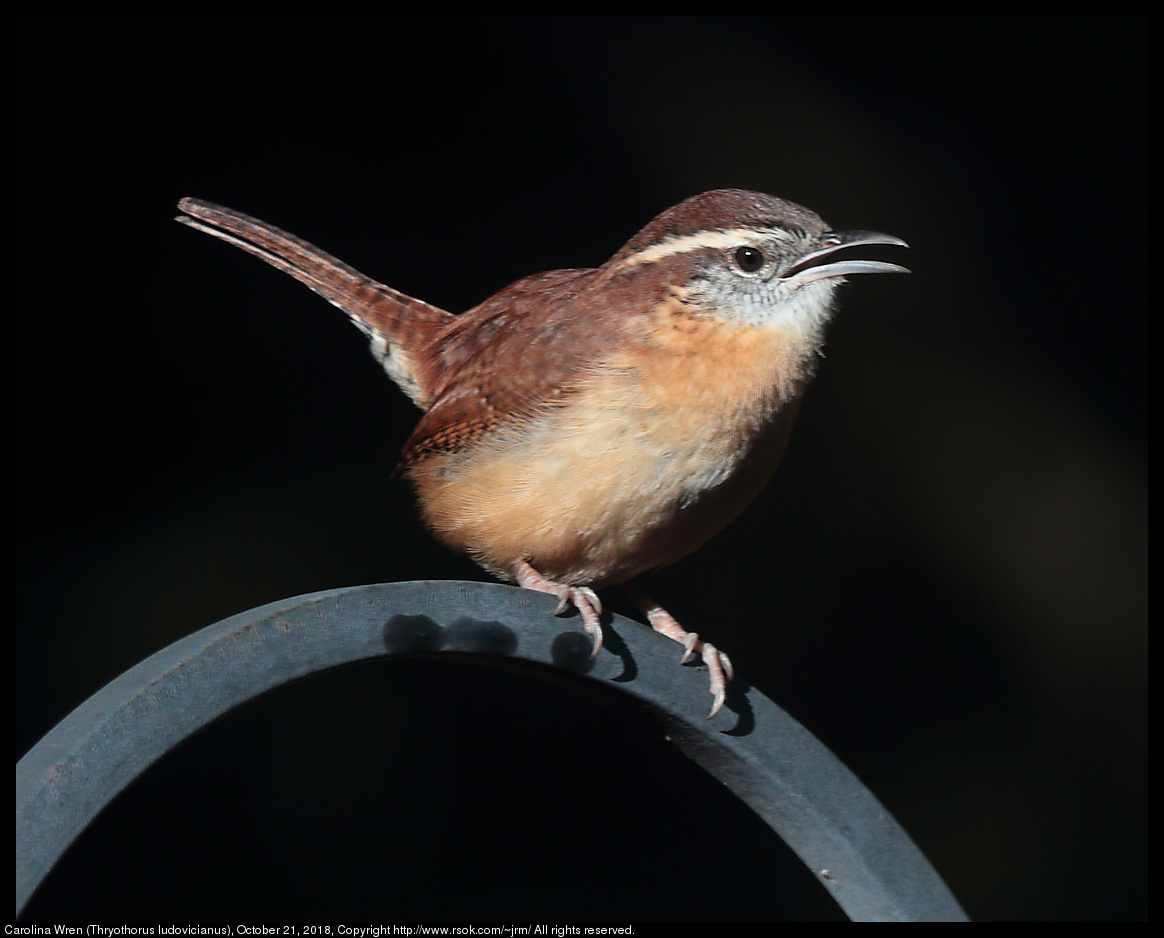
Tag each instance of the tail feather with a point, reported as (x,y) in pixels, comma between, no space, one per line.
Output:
(398,326)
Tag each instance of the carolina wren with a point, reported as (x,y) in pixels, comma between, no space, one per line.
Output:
(582,427)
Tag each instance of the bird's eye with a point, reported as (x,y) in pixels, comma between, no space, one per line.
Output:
(749,259)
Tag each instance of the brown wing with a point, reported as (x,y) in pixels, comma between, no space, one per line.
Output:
(522,350)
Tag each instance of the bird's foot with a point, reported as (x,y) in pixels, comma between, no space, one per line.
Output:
(719,665)
(582,598)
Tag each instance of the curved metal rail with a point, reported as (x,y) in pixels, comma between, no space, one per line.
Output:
(800,789)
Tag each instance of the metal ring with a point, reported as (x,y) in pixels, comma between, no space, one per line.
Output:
(800,789)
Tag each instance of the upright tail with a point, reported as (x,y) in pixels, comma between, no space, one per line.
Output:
(400,328)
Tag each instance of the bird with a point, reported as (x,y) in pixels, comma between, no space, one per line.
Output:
(582,427)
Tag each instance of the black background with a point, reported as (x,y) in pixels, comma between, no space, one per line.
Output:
(947,582)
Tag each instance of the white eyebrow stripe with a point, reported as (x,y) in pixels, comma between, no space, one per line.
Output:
(703,239)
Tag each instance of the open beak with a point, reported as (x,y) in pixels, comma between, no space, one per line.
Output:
(809,268)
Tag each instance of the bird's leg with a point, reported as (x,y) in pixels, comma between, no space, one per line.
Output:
(719,665)
(583,598)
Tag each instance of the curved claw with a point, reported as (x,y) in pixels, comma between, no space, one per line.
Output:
(586,601)
(719,666)
(582,598)
(718,675)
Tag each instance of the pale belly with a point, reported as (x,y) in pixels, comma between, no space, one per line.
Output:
(614,484)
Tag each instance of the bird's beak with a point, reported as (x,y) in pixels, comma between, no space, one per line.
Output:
(808,268)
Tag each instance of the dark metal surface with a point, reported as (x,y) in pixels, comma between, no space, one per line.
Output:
(833,823)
